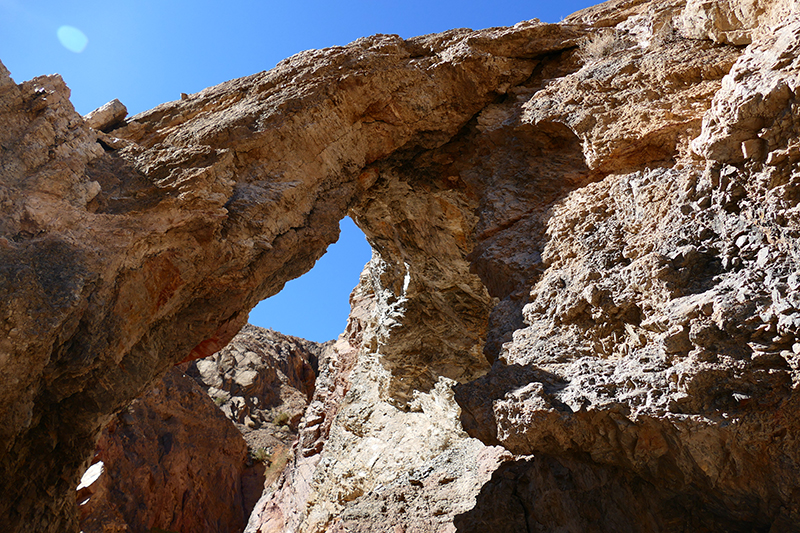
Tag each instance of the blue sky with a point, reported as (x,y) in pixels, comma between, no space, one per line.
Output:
(148,52)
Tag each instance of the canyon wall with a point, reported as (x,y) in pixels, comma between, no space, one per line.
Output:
(194,454)
(582,308)
(172,461)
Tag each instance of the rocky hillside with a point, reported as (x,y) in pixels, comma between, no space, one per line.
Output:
(582,309)
(196,453)
(263,382)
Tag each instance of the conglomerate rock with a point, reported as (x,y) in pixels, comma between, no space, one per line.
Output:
(583,298)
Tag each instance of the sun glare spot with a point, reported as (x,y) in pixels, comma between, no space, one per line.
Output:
(72,38)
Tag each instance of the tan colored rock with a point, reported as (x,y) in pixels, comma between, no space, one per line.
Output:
(263,382)
(153,254)
(619,365)
(637,99)
(755,103)
(663,314)
(106,116)
(357,459)
(657,375)
(572,259)
(735,22)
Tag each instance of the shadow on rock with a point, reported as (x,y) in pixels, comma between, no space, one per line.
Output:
(476,398)
(545,493)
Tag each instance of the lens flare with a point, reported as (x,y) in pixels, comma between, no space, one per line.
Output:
(72,38)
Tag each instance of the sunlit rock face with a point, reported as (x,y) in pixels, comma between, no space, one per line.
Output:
(642,378)
(263,382)
(120,263)
(583,288)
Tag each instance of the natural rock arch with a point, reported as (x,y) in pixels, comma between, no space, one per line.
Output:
(659,348)
(197,210)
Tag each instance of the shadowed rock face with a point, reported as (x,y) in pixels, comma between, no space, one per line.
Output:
(191,454)
(586,255)
(170,461)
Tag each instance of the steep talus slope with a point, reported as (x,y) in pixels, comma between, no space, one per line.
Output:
(581,308)
(262,381)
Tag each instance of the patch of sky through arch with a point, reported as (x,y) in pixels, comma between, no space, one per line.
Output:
(315,306)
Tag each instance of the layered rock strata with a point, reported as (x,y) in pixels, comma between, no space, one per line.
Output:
(583,289)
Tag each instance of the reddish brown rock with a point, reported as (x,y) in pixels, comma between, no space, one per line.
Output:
(263,382)
(171,461)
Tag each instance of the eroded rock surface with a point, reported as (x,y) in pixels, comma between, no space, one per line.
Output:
(191,454)
(263,382)
(171,461)
(583,288)
(119,264)
(649,386)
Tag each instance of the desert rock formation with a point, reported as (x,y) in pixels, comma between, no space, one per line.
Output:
(170,461)
(191,455)
(263,381)
(582,306)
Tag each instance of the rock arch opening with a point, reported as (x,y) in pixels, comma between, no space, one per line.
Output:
(316,305)
(202,207)
(127,257)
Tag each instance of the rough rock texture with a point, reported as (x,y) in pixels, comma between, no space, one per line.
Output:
(117,265)
(263,382)
(170,461)
(360,456)
(173,461)
(661,346)
(649,388)
(734,22)
(107,116)
(584,257)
